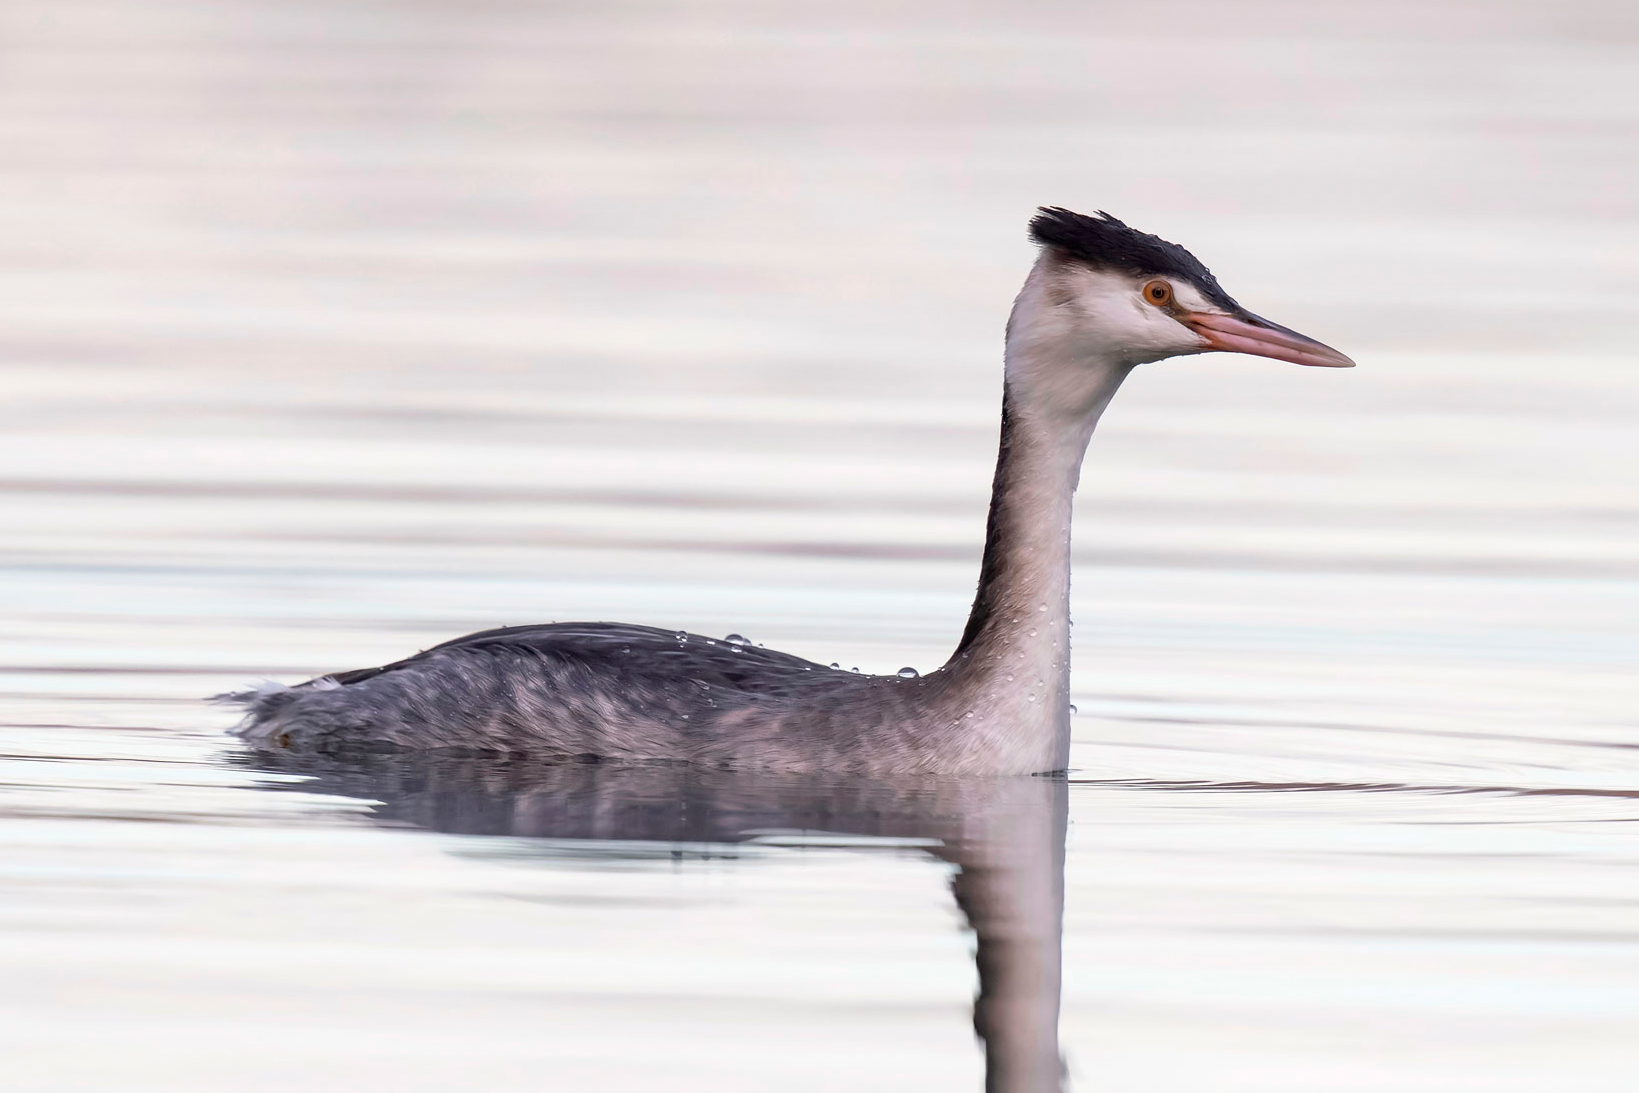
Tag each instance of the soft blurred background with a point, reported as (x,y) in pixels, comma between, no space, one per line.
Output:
(329,330)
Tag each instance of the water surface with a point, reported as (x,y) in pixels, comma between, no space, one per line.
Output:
(331,331)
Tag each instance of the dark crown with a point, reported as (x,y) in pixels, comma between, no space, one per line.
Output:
(1103,242)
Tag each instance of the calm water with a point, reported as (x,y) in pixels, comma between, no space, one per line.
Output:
(328,331)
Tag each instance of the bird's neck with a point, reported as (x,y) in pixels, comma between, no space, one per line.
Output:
(1012,667)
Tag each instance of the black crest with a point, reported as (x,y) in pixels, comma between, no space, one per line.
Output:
(1104,242)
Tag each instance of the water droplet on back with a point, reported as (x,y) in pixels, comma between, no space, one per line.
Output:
(908,673)
(737,639)
(836,666)
(682,637)
(1073,710)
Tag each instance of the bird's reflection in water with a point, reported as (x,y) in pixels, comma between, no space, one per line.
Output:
(1004,835)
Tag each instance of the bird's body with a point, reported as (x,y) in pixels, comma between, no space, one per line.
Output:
(1101,299)
(619,692)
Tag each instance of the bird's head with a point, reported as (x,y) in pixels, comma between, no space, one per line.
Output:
(1105,297)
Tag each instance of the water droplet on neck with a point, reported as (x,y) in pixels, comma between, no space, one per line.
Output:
(835,666)
(908,673)
(1030,698)
(854,669)
(737,639)
(682,637)
(1073,710)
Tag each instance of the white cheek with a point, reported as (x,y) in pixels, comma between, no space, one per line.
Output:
(1070,325)
(1144,332)
(1165,336)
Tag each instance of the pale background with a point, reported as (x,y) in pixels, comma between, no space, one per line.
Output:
(328,330)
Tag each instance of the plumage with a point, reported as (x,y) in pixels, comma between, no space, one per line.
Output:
(1104,242)
(1087,315)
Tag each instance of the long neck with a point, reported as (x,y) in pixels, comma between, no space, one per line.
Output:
(1024,579)
(1013,662)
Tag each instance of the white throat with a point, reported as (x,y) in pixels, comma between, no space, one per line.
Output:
(1012,668)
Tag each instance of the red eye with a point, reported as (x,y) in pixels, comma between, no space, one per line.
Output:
(1158,292)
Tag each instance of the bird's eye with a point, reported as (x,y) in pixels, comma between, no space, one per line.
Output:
(1158,292)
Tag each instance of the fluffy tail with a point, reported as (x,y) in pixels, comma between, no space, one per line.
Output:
(264,704)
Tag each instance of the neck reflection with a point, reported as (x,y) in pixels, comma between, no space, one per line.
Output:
(1004,835)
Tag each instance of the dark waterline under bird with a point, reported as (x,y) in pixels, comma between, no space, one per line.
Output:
(1100,300)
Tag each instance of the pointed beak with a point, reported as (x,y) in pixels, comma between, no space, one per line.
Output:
(1248,333)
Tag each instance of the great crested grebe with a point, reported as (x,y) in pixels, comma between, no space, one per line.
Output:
(1101,299)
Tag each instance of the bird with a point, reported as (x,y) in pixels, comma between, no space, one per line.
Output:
(1100,299)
